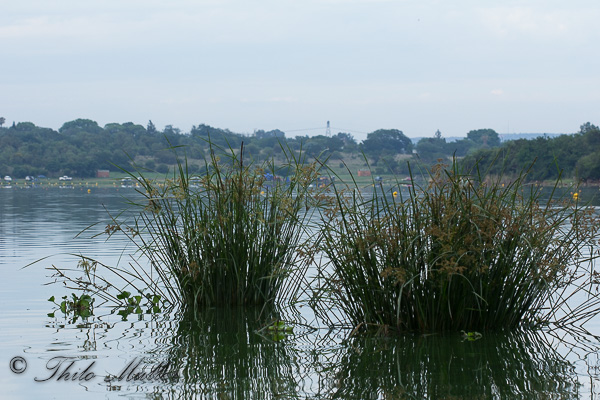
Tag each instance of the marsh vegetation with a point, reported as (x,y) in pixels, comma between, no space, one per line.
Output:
(459,249)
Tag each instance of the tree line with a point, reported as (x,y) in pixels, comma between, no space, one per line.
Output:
(81,147)
(575,156)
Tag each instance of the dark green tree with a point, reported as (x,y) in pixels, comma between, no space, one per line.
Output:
(80,125)
(484,137)
(432,149)
(386,142)
(591,133)
(151,129)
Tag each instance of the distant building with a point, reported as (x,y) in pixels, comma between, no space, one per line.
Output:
(364,173)
(102,173)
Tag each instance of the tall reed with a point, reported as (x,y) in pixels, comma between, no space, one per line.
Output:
(457,252)
(228,236)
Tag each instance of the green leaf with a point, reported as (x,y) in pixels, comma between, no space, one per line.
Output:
(51,299)
(123,295)
(51,315)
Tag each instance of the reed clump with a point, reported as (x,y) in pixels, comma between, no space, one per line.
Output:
(233,235)
(458,252)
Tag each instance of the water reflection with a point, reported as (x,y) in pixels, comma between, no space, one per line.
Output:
(511,365)
(221,353)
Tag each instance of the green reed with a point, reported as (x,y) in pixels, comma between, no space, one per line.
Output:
(459,251)
(226,236)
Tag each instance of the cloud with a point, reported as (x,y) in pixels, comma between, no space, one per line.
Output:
(543,22)
(497,92)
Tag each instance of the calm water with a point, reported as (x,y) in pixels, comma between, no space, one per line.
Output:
(221,354)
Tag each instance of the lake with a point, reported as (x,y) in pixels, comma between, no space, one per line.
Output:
(226,354)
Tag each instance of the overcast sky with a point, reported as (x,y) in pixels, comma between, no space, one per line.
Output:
(417,66)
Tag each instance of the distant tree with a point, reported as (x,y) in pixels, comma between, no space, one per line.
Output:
(112,128)
(460,148)
(169,130)
(150,164)
(587,127)
(80,125)
(151,128)
(588,167)
(251,149)
(386,141)
(24,126)
(484,137)
(346,138)
(2,121)
(432,149)
(591,133)
(276,133)
(389,164)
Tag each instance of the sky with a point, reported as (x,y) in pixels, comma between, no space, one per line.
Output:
(523,66)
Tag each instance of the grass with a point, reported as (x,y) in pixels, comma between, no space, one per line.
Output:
(460,252)
(227,236)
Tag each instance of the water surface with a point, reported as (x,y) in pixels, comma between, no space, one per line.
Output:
(226,353)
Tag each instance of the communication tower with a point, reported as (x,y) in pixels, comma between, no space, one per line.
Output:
(328,131)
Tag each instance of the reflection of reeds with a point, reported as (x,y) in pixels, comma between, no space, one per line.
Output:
(460,252)
(498,366)
(220,355)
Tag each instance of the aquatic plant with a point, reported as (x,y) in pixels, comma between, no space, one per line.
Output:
(95,284)
(459,251)
(78,306)
(232,235)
